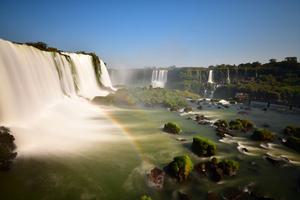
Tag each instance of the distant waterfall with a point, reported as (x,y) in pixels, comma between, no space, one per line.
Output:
(210,76)
(105,78)
(228,77)
(32,79)
(159,78)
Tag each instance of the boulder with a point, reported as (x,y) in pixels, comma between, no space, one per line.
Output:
(156,178)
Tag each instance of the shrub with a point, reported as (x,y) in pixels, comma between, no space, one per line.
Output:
(171,127)
(7,148)
(292,131)
(246,124)
(235,125)
(180,168)
(203,147)
(262,135)
(229,167)
(241,124)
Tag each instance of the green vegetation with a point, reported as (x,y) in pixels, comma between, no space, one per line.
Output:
(221,123)
(203,147)
(241,125)
(188,109)
(171,127)
(149,97)
(145,197)
(217,169)
(277,82)
(292,131)
(229,167)
(7,148)
(42,46)
(180,168)
(262,135)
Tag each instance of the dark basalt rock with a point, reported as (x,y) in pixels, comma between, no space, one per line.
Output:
(156,178)
(216,174)
(183,196)
(212,196)
(221,131)
(204,122)
(188,109)
(276,161)
(200,117)
(217,170)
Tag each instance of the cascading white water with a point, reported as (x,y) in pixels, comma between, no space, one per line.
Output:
(41,98)
(159,78)
(105,79)
(29,80)
(210,76)
(228,76)
(86,77)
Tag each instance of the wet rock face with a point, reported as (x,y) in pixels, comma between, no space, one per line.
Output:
(156,178)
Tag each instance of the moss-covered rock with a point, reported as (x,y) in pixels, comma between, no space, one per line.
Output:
(229,167)
(262,135)
(218,169)
(145,197)
(188,109)
(171,127)
(235,125)
(221,123)
(241,125)
(180,168)
(203,146)
(7,148)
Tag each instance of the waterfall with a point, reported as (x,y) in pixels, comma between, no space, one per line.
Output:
(228,76)
(86,77)
(210,76)
(105,78)
(159,78)
(32,79)
(44,99)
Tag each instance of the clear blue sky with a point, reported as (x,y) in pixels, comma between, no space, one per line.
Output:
(128,33)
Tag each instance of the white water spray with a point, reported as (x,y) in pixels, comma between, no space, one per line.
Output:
(159,78)
(210,76)
(41,98)
(228,76)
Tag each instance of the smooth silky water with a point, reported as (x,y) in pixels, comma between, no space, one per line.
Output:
(69,148)
(113,165)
